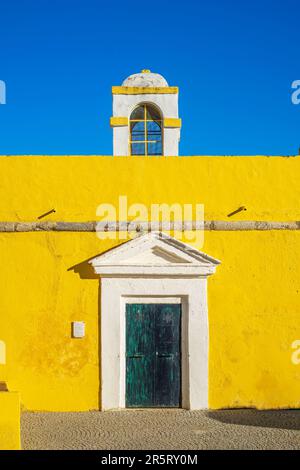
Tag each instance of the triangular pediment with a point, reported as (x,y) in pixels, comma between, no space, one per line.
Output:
(154,253)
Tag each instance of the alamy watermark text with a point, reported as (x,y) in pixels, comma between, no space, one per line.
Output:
(296,93)
(2,92)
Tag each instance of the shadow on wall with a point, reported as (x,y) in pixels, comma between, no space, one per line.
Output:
(279,419)
(85,270)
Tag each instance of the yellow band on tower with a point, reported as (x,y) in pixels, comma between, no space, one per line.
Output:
(125,90)
(172,122)
(118,121)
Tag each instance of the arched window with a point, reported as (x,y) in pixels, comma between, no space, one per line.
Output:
(146,131)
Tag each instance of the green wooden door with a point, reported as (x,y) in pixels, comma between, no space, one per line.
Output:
(153,355)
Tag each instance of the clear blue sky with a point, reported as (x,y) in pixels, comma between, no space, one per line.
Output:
(234,61)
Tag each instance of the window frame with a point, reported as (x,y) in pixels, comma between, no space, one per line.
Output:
(145,142)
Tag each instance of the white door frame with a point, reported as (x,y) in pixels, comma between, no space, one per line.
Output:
(154,268)
(115,292)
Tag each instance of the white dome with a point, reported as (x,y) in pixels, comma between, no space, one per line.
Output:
(145,79)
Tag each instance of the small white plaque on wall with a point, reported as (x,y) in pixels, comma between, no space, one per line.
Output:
(2,353)
(78,329)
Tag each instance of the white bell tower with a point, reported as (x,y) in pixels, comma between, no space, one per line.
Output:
(145,116)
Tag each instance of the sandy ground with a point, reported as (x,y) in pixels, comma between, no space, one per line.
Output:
(162,429)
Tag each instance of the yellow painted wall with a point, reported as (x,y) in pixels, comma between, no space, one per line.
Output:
(10,421)
(254,306)
(254,298)
(40,297)
(74,186)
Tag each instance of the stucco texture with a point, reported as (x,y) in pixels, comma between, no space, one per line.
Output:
(253,299)
(74,185)
(10,438)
